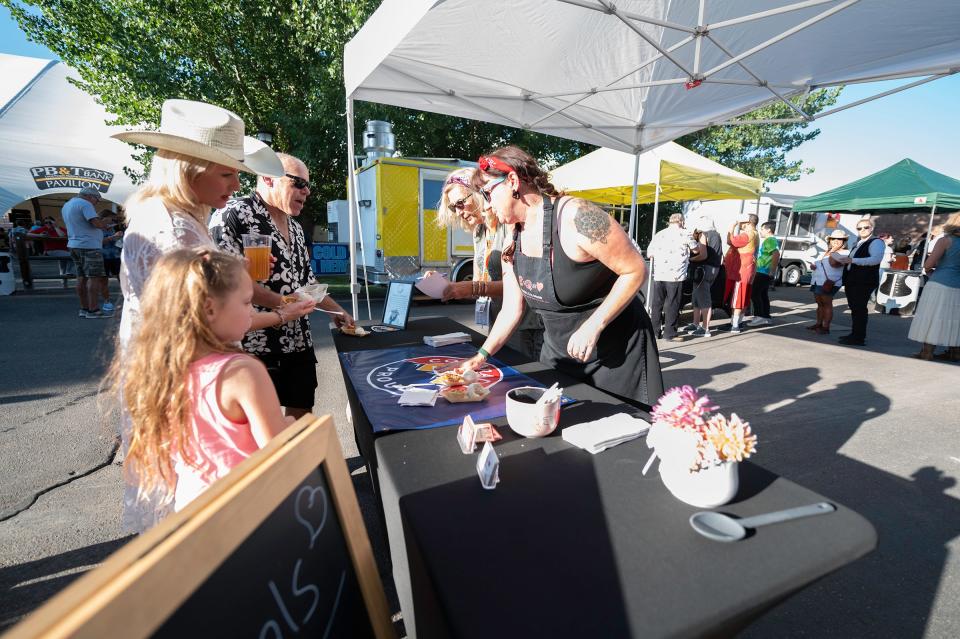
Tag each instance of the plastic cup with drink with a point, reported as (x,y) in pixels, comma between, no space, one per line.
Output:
(256,248)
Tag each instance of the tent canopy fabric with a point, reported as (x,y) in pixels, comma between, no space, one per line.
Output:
(904,186)
(606,176)
(633,74)
(54,137)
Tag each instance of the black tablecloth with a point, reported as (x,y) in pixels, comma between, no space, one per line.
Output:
(572,544)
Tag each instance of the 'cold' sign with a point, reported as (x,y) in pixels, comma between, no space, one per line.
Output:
(330,259)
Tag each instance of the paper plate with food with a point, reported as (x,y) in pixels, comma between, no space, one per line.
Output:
(465,393)
(354,331)
(315,292)
(456,377)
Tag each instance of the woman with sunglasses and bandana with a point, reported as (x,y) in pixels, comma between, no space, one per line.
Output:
(574,265)
(461,204)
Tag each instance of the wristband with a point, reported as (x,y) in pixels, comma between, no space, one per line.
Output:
(283,320)
(482,352)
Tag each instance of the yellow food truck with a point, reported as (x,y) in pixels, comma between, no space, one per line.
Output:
(398,199)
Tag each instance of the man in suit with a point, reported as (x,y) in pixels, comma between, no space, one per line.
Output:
(860,278)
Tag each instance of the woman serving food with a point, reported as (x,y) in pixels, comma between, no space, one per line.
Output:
(574,265)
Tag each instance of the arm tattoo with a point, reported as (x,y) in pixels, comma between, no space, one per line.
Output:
(592,222)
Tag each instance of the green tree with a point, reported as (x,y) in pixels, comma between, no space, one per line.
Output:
(760,150)
(277,64)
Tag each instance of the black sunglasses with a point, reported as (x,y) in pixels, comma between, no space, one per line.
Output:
(863,228)
(298,182)
(459,205)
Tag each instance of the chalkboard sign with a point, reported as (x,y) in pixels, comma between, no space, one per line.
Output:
(276,549)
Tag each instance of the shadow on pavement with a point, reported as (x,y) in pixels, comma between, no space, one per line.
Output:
(889,593)
(23,585)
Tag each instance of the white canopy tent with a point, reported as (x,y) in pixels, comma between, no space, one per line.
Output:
(53,136)
(633,74)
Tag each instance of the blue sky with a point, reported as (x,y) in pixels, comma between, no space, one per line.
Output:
(917,123)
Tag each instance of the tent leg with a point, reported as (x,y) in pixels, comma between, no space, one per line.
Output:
(633,198)
(653,231)
(926,245)
(353,206)
(786,236)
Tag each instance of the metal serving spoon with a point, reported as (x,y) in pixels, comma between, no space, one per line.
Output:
(720,527)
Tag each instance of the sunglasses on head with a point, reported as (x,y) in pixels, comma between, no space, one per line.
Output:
(298,182)
(489,187)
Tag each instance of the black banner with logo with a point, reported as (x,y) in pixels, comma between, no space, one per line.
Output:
(70,177)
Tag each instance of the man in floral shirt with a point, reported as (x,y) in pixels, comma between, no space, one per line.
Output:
(286,350)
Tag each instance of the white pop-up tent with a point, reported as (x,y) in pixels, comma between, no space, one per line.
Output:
(633,74)
(54,137)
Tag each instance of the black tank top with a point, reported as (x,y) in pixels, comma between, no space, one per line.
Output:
(576,283)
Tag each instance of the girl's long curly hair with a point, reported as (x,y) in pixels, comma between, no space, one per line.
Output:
(151,376)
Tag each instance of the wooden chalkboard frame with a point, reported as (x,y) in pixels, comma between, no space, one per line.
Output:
(143,583)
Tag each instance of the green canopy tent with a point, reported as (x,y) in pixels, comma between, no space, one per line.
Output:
(904,187)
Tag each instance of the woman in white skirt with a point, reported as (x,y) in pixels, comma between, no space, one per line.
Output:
(937,322)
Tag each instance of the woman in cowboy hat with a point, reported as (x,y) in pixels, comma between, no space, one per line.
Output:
(827,279)
(200,150)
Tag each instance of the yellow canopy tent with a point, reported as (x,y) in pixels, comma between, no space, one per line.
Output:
(607,176)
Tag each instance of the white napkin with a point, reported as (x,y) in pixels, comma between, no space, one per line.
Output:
(605,433)
(446,339)
(418,397)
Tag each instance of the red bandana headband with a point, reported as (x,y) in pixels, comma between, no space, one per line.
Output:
(487,162)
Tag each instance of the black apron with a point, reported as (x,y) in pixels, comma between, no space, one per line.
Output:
(624,362)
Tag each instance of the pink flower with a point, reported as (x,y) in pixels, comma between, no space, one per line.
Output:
(682,407)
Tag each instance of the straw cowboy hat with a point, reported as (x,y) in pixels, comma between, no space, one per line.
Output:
(838,234)
(207,132)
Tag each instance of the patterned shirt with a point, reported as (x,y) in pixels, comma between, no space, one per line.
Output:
(292,270)
(765,254)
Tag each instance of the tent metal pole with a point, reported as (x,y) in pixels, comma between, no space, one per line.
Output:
(926,245)
(354,207)
(633,198)
(653,231)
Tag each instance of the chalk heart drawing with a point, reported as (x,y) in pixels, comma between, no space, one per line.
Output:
(311,510)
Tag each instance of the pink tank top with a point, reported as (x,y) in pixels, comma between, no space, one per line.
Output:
(219,443)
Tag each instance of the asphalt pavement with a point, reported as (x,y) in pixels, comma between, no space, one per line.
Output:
(868,427)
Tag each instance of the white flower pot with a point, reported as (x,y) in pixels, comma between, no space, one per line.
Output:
(708,488)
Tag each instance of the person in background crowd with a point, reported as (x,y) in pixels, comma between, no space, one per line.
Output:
(827,279)
(887,252)
(286,350)
(768,257)
(670,251)
(740,266)
(706,260)
(576,267)
(461,204)
(37,229)
(937,320)
(85,229)
(52,240)
(860,279)
(901,260)
(200,150)
(112,234)
(209,406)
